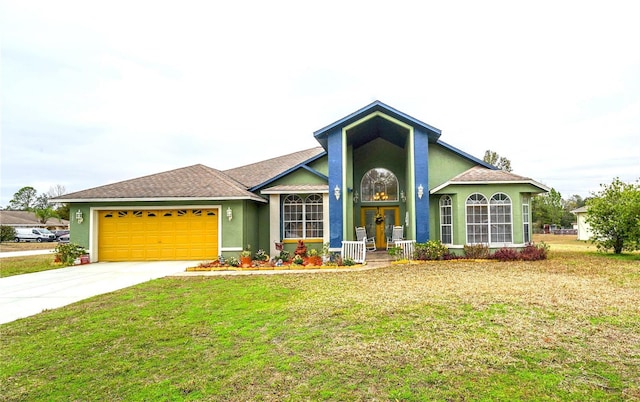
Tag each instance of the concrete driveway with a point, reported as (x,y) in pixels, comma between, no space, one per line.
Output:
(25,295)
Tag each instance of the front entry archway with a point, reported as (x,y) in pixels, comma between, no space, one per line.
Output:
(379,222)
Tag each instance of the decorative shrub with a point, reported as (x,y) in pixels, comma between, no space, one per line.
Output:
(348,262)
(285,255)
(261,255)
(535,252)
(431,250)
(68,252)
(233,261)
(395,252)
(506,254)
(476,251)
(7,233)
(298,260)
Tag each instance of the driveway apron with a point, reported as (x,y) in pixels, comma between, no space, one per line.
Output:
(25,295)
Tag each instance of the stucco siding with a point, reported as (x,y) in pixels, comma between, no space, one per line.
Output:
(445,164)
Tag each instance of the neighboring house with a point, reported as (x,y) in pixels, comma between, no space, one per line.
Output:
(376,167)
(28,219)
(584,230)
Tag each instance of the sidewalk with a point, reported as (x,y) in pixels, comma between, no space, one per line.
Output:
(8,254)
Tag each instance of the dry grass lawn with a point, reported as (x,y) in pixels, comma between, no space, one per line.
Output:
(567,328)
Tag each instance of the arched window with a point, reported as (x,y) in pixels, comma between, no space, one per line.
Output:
(302,218)
(500,217)
(379,185)
(477,219)
(446,220)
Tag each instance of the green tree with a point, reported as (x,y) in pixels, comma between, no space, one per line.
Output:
(547,208)
(7,233)
(614,216)
(61,208)
(496,160)
(44,214)
(24,199)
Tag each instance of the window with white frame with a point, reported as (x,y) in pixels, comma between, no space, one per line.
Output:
(500,218)
(525,221)
(446,220)
(477,219)
(302,218)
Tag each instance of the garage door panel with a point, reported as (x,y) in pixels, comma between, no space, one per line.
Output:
(157,235)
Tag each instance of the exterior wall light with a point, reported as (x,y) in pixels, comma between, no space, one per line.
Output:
(229,214)
(420,191)
(403,196)
(79,217)
(356,197)
(336,192)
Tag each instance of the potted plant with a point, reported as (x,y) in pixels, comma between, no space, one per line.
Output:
(314,258)
(245,258)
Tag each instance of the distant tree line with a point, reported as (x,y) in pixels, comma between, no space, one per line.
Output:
(27,199)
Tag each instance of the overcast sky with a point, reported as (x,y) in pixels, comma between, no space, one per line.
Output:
(99,92)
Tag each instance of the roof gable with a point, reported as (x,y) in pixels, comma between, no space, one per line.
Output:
(258,174)
(483,175)
(191,182)
(374,108)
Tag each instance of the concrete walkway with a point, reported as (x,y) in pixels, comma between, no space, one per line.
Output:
(25,295)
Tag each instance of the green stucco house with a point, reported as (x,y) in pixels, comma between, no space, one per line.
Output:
(376,167)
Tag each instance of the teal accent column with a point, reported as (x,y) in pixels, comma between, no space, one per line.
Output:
(335,179)
(421,172)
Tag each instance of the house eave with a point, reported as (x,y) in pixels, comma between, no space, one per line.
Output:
(164,199)
(302,165)
(498,182)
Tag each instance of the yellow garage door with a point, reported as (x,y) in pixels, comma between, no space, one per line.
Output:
(148,235)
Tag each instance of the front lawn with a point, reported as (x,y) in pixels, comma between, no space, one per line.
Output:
(25,265)
(567,328)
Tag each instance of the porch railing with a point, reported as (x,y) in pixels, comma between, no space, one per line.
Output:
(355,250)
(407,248)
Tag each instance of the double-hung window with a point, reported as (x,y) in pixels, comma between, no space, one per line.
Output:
(489,221)
(446,220)
(302,218)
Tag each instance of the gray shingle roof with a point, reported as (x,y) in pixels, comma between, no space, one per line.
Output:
(481,175)
(260,172)
(27,218)
(191,182)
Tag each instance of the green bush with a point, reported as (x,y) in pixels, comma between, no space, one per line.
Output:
(431,250)
(7,233)
(68,252)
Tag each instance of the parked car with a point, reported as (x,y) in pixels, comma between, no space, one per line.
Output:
(34,234)
(64,238)
(59,233)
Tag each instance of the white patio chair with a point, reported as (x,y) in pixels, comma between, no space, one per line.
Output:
(397,234)
(361,235)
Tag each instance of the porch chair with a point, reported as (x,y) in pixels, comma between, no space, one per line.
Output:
(397,234)
(369,242)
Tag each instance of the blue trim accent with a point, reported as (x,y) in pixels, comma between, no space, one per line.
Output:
(421,172)
(377,106)
(335,179)
(315,172)
(286,172)
(466,155)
